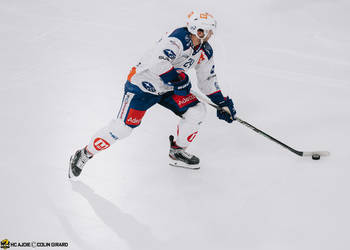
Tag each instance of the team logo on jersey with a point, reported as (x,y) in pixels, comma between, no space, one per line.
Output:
(100,144)
(169,53)
(191,137)
(148,86)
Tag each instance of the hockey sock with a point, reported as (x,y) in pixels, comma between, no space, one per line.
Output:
(107,136)
(188,126)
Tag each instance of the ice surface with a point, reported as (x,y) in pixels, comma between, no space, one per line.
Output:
(285,63)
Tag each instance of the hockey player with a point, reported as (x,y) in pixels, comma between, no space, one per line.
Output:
(160,77)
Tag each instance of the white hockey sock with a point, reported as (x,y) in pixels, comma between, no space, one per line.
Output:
(188,126)
(107,136)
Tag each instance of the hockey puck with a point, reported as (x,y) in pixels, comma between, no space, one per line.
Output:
(316,156)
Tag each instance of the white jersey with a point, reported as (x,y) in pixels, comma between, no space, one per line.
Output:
(174,52)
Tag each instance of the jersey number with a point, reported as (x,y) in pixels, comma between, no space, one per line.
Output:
(189,63)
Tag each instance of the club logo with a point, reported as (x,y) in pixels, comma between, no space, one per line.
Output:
(169,53)
(148,86)
(101,144)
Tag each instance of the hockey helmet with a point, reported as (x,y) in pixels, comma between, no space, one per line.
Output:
(201,21)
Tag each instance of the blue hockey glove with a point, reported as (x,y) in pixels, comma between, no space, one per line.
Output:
(227,106)
(183,85)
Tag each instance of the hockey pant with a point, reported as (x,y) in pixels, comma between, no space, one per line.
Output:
(134,106)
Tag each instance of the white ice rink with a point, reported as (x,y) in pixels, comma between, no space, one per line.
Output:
(285,63)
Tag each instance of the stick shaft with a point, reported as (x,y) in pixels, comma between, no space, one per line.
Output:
(248,125)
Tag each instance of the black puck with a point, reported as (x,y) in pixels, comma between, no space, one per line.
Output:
(316,156)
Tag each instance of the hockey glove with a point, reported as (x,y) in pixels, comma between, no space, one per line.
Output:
(183,85)
(228,111)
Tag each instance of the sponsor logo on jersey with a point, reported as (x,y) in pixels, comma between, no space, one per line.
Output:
(191,137)
(101,144)
(210,77)
(134,117)
(163,58)
(216,86)
(169,53)
(182,101)
(148,86)
(113,136)
(212,69)
(124,105)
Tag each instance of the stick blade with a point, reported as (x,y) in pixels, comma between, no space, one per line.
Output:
(320,153)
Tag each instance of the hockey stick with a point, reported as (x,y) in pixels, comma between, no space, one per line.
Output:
(315,154)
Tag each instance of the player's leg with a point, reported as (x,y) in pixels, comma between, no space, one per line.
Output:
(134,105)
(192,113)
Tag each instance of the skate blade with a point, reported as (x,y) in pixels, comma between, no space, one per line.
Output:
(181,164)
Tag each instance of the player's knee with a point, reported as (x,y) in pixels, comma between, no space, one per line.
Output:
(196,114)
(118,130)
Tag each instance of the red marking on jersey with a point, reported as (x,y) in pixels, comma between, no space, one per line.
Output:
(134,117)
(191,137)
(182,101)
(100,144)
(201,58)
(178,130)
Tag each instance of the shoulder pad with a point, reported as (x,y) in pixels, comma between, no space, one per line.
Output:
(184,36)
(208,50)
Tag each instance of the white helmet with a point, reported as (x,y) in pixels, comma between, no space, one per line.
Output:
(200,21)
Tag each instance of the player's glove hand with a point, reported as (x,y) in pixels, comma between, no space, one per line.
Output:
(228,111)
(183,85)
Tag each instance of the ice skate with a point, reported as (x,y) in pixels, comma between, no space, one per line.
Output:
(77,162)
(180,158)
